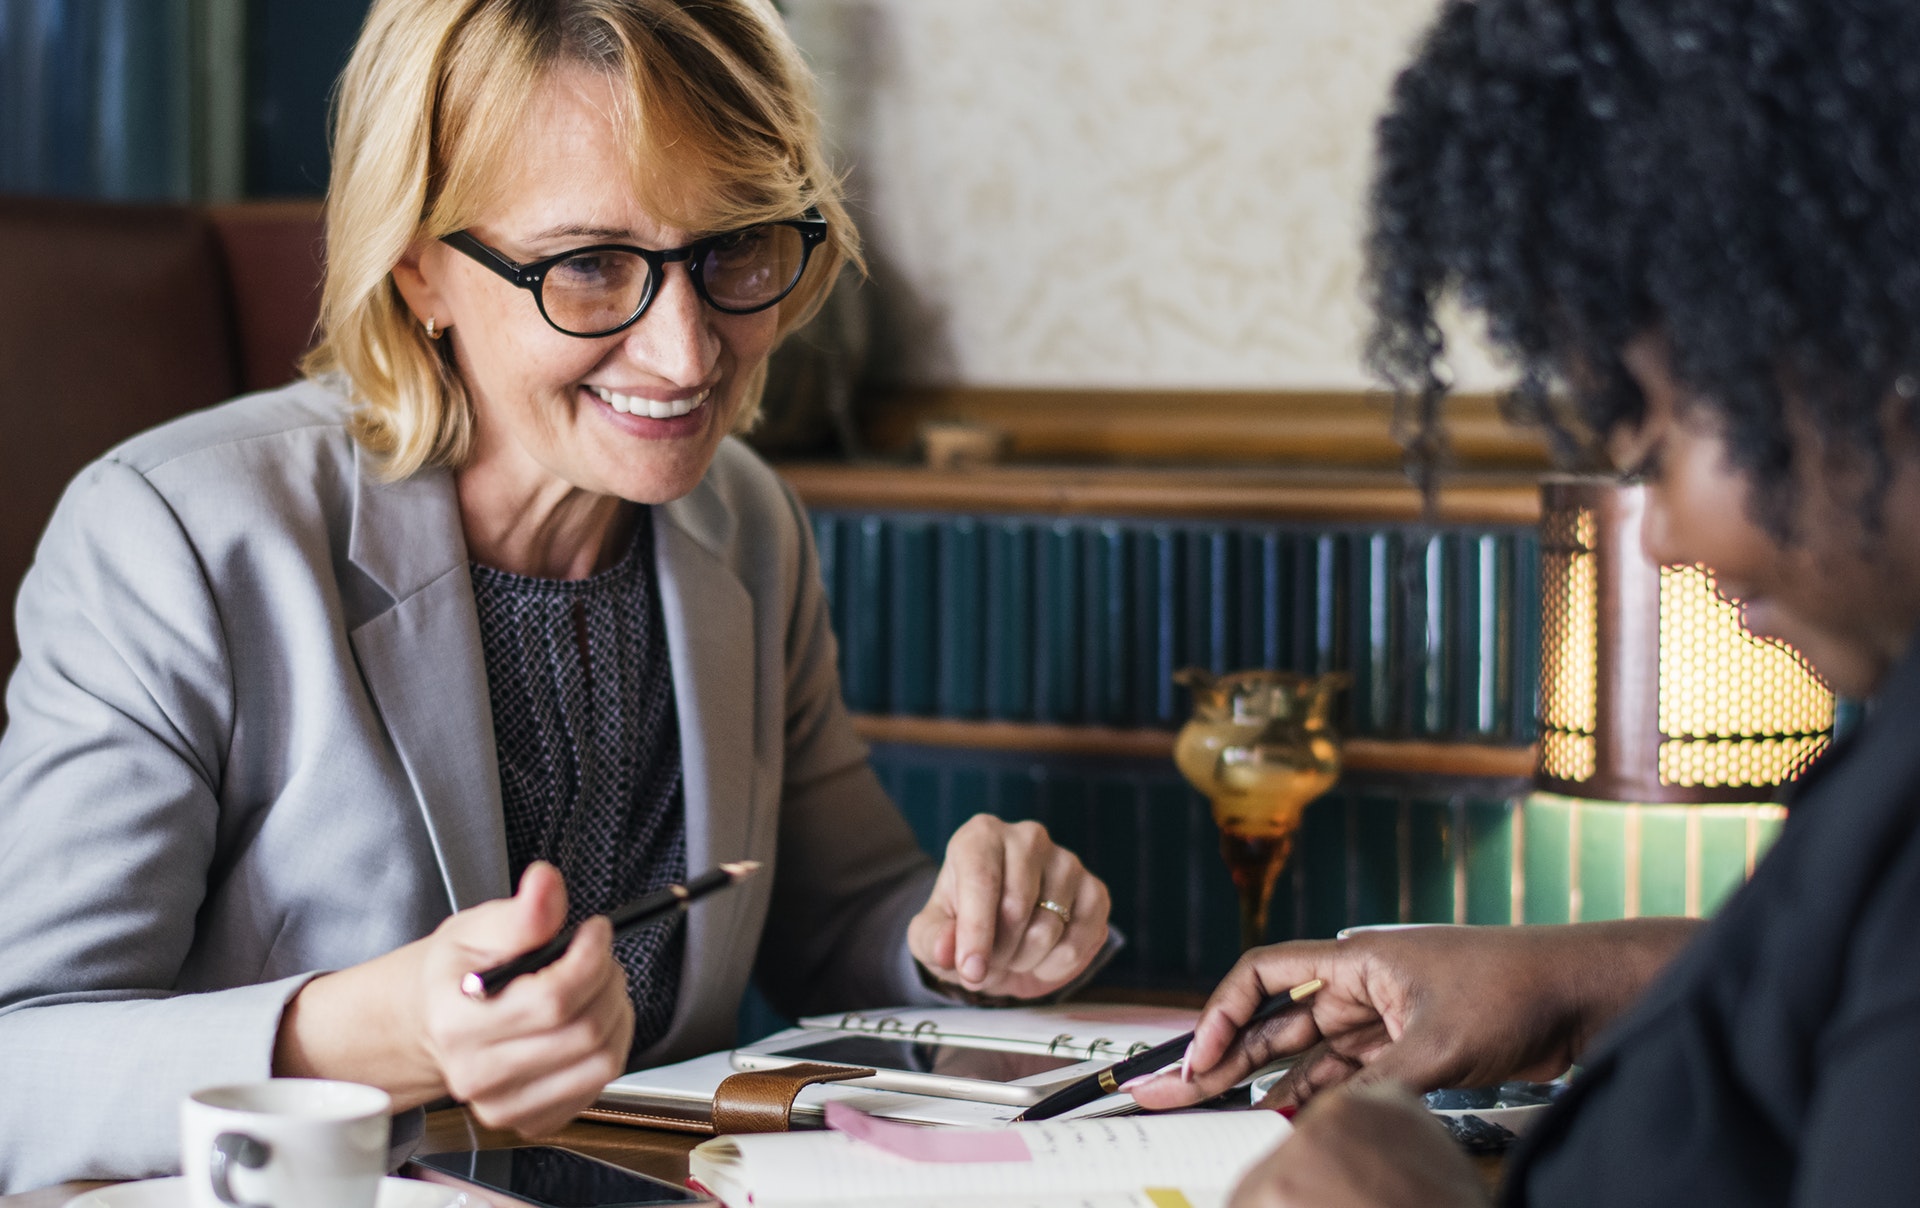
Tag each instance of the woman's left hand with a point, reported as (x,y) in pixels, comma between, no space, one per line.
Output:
(1012,913)
(1369,1146)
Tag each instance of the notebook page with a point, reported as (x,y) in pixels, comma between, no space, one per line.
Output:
(1202,1151)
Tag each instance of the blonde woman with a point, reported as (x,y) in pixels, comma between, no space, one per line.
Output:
(313,680)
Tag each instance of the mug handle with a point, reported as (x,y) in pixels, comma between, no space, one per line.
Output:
(230,1148)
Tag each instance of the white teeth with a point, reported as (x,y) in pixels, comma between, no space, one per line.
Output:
(630,404)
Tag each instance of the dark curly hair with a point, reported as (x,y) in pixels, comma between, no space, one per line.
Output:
(1740,177)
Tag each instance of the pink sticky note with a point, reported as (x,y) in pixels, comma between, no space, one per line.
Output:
(918,1143)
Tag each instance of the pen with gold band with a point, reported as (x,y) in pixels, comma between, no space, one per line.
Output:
(486,983)
(1108,1081)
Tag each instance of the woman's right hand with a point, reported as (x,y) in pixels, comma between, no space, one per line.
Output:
(1426,1008)
(528,1059)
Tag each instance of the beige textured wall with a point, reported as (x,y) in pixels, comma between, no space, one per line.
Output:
(1112,193)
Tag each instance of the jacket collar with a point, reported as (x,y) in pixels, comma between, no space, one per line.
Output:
(709,617)
(425,670)
(405,534)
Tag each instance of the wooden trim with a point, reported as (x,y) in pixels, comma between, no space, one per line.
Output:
(1347,429)
(1194,494)
(1102,741)
(1357,754)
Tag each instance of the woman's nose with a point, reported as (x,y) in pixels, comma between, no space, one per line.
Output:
(1656,529)
(676,338)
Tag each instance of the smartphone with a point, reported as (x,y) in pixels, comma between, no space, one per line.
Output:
(545,1176)
(930,1068)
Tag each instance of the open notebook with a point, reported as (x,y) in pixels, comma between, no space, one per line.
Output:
(1097,1031)
(1175,1161)
(685,1091)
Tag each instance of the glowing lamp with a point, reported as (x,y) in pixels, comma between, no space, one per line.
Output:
(1652,689)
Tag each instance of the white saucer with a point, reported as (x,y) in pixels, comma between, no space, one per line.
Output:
(172,1193)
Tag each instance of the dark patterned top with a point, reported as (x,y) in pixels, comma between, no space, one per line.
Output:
(581,686)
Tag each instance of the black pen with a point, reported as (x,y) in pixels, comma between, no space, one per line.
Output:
(638,913)
(1108,1081)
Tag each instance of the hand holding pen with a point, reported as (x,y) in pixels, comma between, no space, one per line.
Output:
(1425,1008)
(642,911)
(1116,1077)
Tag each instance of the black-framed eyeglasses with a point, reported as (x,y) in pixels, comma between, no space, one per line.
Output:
(598,290)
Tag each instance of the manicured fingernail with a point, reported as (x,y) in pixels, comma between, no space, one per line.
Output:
(975,968)
(1127,1086)
(1286,1113)
(1186,1064)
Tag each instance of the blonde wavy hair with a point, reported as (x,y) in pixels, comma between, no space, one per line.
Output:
(715,93)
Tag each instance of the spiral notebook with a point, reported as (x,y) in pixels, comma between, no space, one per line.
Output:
(1081,1031)
(1084,1031)
(685,1091)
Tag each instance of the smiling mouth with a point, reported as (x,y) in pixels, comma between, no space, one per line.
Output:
(651,408)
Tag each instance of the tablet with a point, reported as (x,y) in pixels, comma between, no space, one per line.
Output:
(944,1067)
(542,1176)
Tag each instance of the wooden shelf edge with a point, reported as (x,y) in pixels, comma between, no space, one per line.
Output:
(1358,754)
(1349,428)
(1196,494)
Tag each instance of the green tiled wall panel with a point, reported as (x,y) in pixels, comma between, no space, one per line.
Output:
(1430,861)
(1588,860)
(1602,863)
(1320,860)
(1663,860)
(1547,831)
(1488,835)
(1372,857)
(1723,855)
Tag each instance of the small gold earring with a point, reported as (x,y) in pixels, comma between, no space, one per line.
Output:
(433,328)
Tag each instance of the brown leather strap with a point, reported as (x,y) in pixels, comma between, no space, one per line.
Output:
(605,1114)
(760,1100)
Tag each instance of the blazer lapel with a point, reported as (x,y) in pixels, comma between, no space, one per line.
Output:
(424,667)
(710,628)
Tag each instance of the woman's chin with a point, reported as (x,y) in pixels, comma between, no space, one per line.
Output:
(1850,665)
(651,461)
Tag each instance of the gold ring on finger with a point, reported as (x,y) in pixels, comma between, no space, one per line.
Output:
(1066,916)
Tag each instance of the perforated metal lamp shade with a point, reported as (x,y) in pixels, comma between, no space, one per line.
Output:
(1651,689)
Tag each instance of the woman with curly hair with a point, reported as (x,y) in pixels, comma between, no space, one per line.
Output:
(1694,226)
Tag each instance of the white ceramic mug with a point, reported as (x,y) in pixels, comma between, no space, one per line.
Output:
(284,1143)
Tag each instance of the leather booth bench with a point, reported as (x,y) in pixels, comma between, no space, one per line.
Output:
(114,318)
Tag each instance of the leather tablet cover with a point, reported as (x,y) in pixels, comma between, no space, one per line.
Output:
(749,1102)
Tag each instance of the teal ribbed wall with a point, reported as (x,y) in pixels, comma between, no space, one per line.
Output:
(1378,849)
(97,98)
(1085,620)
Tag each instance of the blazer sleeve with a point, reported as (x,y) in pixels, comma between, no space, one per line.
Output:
(849,874)
(119,718)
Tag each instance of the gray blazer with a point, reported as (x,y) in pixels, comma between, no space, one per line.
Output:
(249,740)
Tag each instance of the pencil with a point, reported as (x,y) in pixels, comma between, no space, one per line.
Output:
(486,983)
(1083,1091)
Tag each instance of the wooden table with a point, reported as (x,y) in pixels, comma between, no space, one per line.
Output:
(649,1151)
